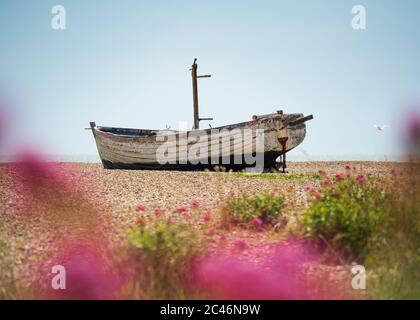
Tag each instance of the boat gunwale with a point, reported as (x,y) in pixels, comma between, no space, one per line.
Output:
(153,132)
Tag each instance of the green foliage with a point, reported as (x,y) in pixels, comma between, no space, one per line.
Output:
(355,218)
(397,263)
(397,274)
(10,289)
(348,217)
(243,209)
(163,254)
(316,176)
(4,273)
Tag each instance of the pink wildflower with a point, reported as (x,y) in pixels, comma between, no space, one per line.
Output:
(257,222)
(181,209)
(360,178)
(325,182)
(140,207)
(210,231)
(206,216)
(158,212)
(308,188)
(195,203)
(340,176)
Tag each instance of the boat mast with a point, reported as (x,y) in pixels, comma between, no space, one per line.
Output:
(194,76)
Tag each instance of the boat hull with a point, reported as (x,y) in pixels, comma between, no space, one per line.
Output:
(270,159)
(254,144)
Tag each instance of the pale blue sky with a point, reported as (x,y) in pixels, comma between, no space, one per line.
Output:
(126,63)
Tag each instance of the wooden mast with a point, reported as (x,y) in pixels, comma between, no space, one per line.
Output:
(195,94)
(194,76)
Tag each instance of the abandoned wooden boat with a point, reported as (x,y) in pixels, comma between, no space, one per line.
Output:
(253,144)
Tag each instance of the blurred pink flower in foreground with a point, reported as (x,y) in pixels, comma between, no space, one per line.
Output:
(413,133)
(210,231)
(89,273)
(413,125)
(2,125)
(232,277)
(42,185)
(5,120)
(240,244)
(36,171)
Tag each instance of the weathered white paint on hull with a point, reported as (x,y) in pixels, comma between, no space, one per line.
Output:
(142,149)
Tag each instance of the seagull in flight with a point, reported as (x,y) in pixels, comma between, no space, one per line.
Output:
(381,128)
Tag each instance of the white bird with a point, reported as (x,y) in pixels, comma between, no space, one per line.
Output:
(381,128)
